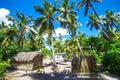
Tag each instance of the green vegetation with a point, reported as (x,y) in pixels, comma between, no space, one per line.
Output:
(111,58)
(27,34)
(3,65)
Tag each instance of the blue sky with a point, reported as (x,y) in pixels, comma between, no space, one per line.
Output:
(26,7)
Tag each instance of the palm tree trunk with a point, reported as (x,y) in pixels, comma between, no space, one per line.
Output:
(53,54)
(100,21)
(80,47)
(82,63)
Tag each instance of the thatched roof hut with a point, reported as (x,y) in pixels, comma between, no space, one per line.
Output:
(27,60)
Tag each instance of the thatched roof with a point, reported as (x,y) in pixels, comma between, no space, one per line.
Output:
(26,56)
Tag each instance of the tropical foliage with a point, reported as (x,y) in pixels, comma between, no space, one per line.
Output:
(26,34)
(112,57)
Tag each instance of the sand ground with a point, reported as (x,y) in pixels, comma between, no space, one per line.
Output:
(61,72)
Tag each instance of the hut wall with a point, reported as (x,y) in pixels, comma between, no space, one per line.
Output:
(23,65)
(37,62)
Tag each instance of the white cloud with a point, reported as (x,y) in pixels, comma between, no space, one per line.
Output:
(3,13)
(61,31)
(58,31)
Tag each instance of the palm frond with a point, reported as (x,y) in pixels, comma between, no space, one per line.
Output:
(61,19)
(86,9)
(72,5)
(40,10)
(69,18)
(47,5)
(10,18)
(73,12)
(79,23)
(19,15)
(65,3)
(91,27)
(38,21)
(96,26)
(43,26)
(81,4)
(96,0)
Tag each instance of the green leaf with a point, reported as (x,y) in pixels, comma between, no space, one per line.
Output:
(61,19)
(40,10)
(43,26)
(69,18)
(39,20)
(81,3)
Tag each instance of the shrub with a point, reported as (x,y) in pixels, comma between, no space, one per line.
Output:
(111,61)
(3,65)
(96,56)
(46,52)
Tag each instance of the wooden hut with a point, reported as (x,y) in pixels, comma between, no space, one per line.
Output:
(27,60)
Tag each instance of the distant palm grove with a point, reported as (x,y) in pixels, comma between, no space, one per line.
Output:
(26,34)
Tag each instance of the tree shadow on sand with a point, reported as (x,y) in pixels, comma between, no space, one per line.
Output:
(57,76)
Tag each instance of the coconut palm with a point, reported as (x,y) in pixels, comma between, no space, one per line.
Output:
(88,4)
(7,38)
(110,21)
(67,16)
(93,22)
(46,20)
(24,21)
(22,24)
(111,25)
(68,20)
(35,39)
(117,16)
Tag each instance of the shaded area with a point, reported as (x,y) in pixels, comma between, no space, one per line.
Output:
(58,76)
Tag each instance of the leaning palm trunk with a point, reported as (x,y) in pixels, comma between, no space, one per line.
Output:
(82,55)
(100,21)
(53,54)
(84,64)
(80,47)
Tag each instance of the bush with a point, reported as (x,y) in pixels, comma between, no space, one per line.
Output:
(96,56)
(46,52)
(3,65)
(111,60)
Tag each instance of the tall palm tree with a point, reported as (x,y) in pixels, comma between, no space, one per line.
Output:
(88,4)
(7,38)
(22,24)
(110,21)
(35,39)
(46,19)
(68,20)
(111,25)
(93,22)
(67,16)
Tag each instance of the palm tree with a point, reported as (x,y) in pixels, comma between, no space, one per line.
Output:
(111,25)
(7,38)
(88,4)
(93,22)
(67,16)
(110,21)
(46,20)
(68,19)
(22,24)
(36,40)
(117,16)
